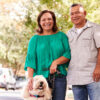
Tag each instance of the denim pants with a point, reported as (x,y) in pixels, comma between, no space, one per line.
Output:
(83,92)
(59,90)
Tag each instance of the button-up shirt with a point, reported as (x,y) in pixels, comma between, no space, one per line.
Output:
(83,53)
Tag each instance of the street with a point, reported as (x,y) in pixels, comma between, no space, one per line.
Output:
(10,95)
(16,95)
(9,98)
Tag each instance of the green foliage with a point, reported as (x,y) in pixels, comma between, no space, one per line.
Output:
(16,34)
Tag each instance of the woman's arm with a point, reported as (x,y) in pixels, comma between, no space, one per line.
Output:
(30,72)
(64,58)
(61,60)
(55,63)
(30,78)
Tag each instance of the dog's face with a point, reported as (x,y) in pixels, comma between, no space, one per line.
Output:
(40,87)
(39,83)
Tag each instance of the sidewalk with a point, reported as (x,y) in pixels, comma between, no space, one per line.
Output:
(69,95)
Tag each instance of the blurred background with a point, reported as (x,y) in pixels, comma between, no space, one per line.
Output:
(18,25)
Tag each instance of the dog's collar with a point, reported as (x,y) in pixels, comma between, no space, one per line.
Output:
(37,96)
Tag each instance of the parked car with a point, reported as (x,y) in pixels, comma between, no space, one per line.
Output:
(7,79)
(20,82)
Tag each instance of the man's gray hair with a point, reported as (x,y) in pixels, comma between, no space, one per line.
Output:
(76,4)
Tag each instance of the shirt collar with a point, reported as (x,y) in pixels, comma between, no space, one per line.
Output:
(87,25)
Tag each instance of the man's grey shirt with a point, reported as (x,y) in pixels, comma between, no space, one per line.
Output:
(83,53)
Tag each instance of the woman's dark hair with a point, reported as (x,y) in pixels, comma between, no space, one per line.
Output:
(40,30)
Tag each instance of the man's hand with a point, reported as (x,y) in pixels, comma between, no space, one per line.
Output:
(96,73)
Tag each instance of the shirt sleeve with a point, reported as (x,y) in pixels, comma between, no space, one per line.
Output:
(97,35)
(31,54)
(67,52)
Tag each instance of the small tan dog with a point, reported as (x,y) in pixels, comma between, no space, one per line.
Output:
(41,90)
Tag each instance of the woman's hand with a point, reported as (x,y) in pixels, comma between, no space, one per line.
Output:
(53,67)
(30,78)
(55,63)
(30,84)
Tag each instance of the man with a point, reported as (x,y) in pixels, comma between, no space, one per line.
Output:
(84,68)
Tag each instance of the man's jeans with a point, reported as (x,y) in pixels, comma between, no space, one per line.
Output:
(59,89)
(82,92)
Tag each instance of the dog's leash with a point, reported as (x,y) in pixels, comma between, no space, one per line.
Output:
(51,79)
(37,96)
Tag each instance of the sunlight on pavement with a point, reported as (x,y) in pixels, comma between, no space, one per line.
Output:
(69,95)
(17,93)
(13,93)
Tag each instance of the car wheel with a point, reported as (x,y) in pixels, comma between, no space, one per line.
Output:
(14,87)
(6,88)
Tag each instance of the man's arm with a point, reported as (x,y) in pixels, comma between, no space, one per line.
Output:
(96,73)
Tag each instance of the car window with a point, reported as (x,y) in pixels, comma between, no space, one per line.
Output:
(20,78)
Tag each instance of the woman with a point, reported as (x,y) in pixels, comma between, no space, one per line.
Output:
(48,53)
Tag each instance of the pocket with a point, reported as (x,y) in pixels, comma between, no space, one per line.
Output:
(86,41)
(87,38)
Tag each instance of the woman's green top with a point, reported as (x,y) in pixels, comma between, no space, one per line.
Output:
(43,50)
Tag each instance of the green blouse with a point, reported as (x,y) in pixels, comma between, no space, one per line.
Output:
(43,50)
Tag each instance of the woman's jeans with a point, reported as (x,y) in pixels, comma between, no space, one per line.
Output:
(59,90)
(83,92)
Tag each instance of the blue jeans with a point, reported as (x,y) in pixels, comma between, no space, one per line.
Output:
(82,92)
(59,90)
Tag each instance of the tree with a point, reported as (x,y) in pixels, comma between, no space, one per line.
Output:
(18,25)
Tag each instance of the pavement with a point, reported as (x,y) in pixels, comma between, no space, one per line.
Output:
(17,93)
(69,95)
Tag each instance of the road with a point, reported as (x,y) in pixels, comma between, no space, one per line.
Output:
(10,95)
(16,95)
(69,95)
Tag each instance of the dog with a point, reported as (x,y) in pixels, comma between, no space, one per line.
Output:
(40,91)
